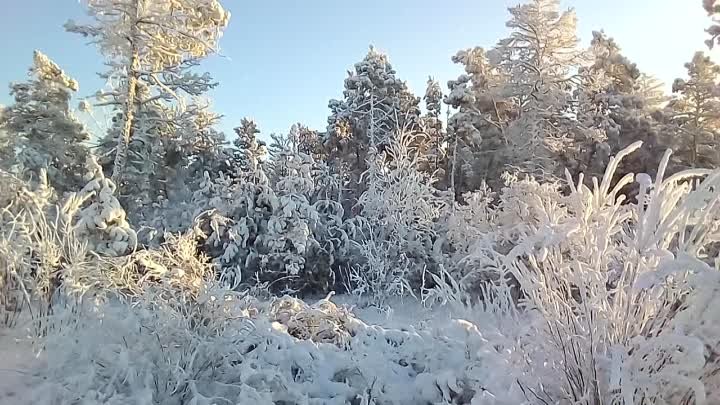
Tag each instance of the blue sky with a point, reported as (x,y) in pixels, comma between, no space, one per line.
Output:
(284,59)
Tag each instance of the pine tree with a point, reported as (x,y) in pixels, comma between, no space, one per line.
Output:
(696,112)
(289,239)
(7,143)
(42,127)
(249,153)
(433,130)
(713,9)
(376,106)
(144,40)
(616,107)
(308,141)
(477,143)
(539,60)
(101,219)
(513,101)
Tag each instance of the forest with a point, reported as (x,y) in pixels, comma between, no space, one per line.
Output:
(543,229)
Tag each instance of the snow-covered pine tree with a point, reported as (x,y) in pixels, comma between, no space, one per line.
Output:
(713,9)
(249,152)
(169,135)
(41,128)
(375,107)
(100,220)
(433,131)
(188,150)
(539,58)
(143,40)
(201,145)
(7,144)
(477,143)
(308,141)
(696,112)
(616,104)
(289,239)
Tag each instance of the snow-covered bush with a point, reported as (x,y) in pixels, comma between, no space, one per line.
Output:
(289,239)
(100,219)
(291,235)
(220,347)
(37,246)
(401,207)
(612,291)
(232,214)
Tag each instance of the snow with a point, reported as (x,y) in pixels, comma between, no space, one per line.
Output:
(18,363)
(412,354)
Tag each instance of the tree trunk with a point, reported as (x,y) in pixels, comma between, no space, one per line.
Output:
(121,152)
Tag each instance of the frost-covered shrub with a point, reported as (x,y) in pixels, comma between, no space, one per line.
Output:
(219,347)
(37,247)
(612,292)
(291,236)
(289,239)
(101,220)
(400,207)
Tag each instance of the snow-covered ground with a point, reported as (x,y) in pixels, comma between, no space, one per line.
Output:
(407,354)
(18,366)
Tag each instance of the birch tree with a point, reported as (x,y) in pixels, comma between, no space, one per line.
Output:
(142,39)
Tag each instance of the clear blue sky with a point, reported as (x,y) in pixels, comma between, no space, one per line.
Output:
(284,59)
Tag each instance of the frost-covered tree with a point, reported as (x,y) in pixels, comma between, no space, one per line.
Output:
(477,144)
(100,219)
(41,128)
(144,39)
(400,207)
(616,104)
(7,144)
(289,239)
(201,145)
(173,138)
(539,59)
(432,128)
(376,105)
(696,112)
(713,9)
(308,141)
(513,100)
(249,152)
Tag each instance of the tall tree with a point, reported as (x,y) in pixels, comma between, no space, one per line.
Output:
(477,143)
(44,132)
(539,59)
(616,107)
(513,100)
(168,142)
(142,39)
(375,107)
(432,128)
(696,111)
